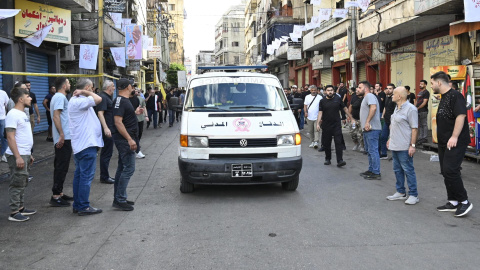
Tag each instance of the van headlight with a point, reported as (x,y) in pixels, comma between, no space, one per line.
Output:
(285,140)
(197,142)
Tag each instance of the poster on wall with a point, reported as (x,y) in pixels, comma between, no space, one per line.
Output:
(133,41)
(36,16)
(340,49)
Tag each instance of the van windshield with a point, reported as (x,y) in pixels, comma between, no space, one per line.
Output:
(236,96)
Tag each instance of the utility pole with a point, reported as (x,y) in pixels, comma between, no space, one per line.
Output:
(100,42)
(154,44)
(353,40)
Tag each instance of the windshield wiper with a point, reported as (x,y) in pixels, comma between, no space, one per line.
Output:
(207,108)
(252,107)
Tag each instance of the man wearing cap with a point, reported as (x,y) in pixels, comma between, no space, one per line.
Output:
(125,137)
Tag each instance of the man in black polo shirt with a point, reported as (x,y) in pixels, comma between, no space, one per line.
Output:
(453,139)
(125,137)
(386,116)
(329,121)
(105,115)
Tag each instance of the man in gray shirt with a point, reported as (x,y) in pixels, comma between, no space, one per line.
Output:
(403,134)
(370,121)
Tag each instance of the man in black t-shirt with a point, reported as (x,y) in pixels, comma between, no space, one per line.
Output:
(105,115)
(453,139)
(411,96)
(356,131)
(125,136)
(422,106)
(329,121)
(386,115)
(151,99)
(342,91)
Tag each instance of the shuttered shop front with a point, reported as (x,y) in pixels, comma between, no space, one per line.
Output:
(362,72)
(326,77)
(38,63)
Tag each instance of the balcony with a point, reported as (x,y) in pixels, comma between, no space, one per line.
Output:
(405,24)
(322,37)
(76,6)
(438,7)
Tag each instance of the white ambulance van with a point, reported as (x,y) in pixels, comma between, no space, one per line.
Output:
(238,128)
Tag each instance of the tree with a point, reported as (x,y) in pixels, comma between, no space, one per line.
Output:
(172,78)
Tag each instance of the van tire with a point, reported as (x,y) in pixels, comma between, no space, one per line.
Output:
(186,187)
(291,185)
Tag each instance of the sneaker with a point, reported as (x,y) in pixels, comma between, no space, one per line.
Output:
(315,145)
(365,173)
(30,178)
(67,198)
(110,180)
(355,148)
(4,159)
(341,163)
(448,207)
(361,149)
(412,200)
(89,211)
(27,212)
(18,217)
(373,177)
(311,145)
(122,206)
(327,162)
(463,209)
(140,154)
(397,196)
(130,202)
(59,202)
(321,149)
(384,157)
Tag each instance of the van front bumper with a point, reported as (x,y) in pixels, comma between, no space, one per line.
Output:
(219,171)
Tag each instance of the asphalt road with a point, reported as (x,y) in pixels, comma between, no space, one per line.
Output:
(335,220)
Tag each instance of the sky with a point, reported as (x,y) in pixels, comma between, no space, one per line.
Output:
(199,27)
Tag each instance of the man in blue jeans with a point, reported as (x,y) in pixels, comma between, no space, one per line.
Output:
(403,135)
(125,136)
(86,135)
(370,121)
(172,101)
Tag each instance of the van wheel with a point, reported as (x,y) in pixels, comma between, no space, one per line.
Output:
(291,185)
(186,187)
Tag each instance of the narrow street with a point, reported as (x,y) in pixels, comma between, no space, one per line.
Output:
(335,220)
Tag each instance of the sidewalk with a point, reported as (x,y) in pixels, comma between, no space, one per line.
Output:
(41,150)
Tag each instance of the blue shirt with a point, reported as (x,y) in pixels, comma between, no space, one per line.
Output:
(60,102)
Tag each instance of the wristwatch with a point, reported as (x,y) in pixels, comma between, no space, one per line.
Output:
(412,145)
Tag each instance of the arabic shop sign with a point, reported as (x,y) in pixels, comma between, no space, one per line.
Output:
(456,72)
(114,5)
(441,48)
(35,16)
(340,49)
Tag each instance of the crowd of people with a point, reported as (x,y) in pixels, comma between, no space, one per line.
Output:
(392,119)
(81,122)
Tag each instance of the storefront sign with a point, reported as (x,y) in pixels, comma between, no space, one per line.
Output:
(340,49)
(317,61)
(36,16)
(456,72)
(301,62)
(114,5)
(156,52)
(294,53)
(403,53)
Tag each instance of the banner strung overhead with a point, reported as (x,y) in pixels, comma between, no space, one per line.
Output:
(133,41)
(35,16)
(37,38)
(472,10)
(7,13)
(88,56)
(118,54)
(117,19)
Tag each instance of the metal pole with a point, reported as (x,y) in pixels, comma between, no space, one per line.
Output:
(353,37)
(100,42)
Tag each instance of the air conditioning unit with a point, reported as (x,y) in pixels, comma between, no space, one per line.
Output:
(67,53)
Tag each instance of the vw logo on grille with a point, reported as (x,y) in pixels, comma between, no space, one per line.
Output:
(243,143)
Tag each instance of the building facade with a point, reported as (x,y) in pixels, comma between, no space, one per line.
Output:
(177,14)
(230,37)
(204,59)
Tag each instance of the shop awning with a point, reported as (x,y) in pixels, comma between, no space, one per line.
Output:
(460,27)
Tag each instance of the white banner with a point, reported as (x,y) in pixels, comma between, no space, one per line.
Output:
(145,42)
(316,2)
(117,19)
(88,56)
(118,54)
(340,13)
(324,14)
(472,10)
(150,44)
(293,37)
(7,13)
(182,78)
(363,4)
(351,4)
(125,22)
(37,38)
(270,49)
(315,21)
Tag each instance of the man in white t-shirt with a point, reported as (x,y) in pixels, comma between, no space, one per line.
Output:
(19,153)
(311,104)
(86,136)
(3,113)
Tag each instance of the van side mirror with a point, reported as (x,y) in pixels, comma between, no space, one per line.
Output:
(297,104)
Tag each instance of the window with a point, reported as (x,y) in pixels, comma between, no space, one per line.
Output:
(171,7)
(235,44)
(236,60)
(171,25)
(172,46)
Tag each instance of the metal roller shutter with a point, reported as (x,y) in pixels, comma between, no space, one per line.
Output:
(1,68)
(326,77)
(362,72)
(300,78)
(307,76)
(38,63)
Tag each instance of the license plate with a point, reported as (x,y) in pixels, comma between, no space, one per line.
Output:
(242,170)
